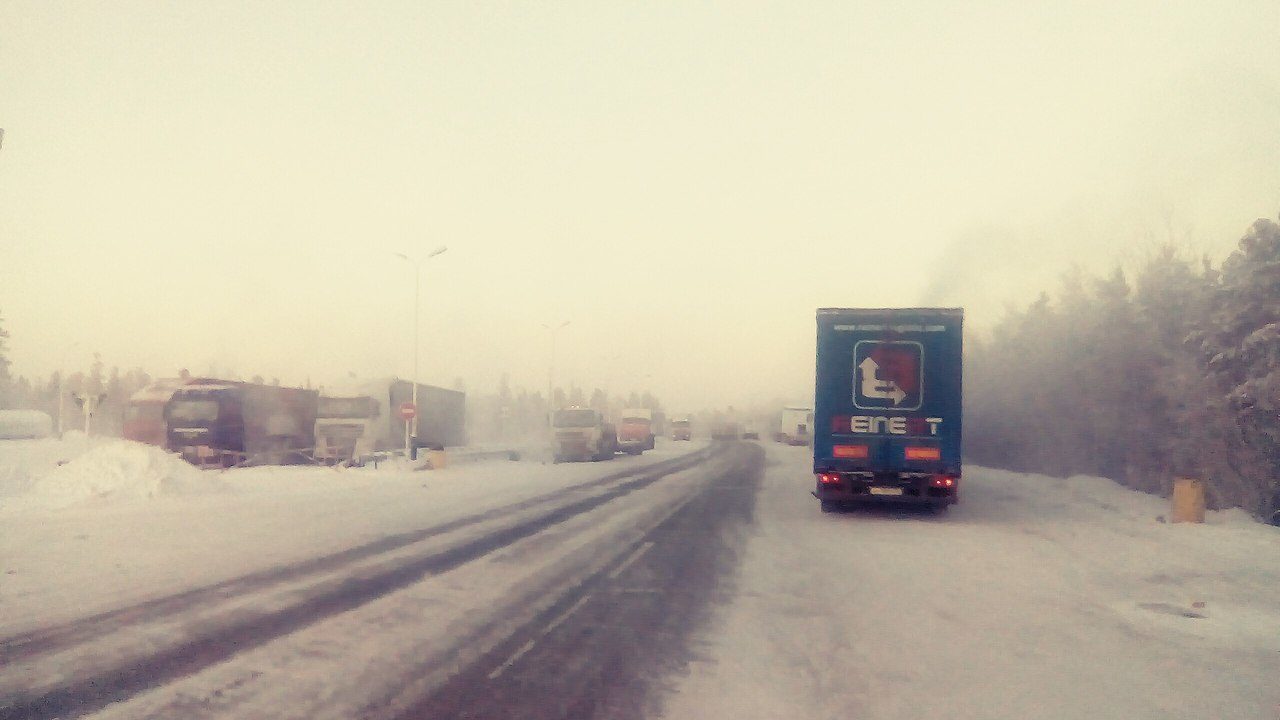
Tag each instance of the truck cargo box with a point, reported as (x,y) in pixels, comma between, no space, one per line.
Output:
(887,412)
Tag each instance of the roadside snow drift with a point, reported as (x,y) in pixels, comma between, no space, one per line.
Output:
(115,470)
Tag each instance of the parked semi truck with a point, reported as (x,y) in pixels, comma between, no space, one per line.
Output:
(795,426)
(635,431)
(887,411)
(358,418)
(349,428)
(583,434)
(227,422)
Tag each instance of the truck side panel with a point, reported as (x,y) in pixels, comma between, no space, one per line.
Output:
(275,416)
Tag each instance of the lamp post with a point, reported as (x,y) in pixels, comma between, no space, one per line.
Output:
(417,293)
(551,368)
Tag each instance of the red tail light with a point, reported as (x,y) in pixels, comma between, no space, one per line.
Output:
(849,451)
(943,481)
(829,478)
(923,453)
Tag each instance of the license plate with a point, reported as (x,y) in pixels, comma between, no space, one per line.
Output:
(886,491)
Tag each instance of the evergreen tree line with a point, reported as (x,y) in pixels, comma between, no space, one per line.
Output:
(113,385)
(1171,372)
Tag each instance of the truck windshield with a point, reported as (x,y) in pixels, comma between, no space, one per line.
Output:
(575,418)
(643,420)
(680,423)
(347,408)
(193,410)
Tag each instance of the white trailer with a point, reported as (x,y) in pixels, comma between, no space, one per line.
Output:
(795,427)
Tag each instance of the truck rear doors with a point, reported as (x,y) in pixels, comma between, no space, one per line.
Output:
(887,414)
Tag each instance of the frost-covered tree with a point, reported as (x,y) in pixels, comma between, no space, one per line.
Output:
(1239,348)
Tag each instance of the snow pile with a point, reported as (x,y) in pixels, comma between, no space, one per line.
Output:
(117,470)
(22,461)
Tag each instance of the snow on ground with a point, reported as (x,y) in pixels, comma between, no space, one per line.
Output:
(22,461)
(1035,597)
(118,524)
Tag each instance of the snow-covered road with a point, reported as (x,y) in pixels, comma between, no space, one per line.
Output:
(693,582)
(1035,597)
(326,636)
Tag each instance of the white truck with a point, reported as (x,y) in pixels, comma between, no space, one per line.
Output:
(795,426)
(359,417)
(582,434)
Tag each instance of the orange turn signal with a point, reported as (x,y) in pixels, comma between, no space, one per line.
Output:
(924,453)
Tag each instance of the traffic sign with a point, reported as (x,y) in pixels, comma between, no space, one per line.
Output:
(408,411)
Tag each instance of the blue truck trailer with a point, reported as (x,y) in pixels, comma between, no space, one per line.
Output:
(887,406)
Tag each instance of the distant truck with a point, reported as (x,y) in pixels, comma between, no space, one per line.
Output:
(356,419)
(583,434)
(795,426)
(227,423)
(681,429)
(887,406)
(144,413)
(635,431)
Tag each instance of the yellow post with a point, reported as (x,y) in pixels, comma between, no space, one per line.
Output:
(437,459)
(1188,500)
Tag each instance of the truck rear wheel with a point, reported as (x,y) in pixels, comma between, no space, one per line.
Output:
(829,506)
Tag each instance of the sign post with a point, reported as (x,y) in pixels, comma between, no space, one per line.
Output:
(407,412)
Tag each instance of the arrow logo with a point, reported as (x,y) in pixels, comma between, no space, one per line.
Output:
(876,389)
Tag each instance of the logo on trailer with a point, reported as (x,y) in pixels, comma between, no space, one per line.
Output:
(888,375)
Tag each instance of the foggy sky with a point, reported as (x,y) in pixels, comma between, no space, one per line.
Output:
(223,186)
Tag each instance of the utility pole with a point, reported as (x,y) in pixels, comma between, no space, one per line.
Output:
(417,293)
(551,369)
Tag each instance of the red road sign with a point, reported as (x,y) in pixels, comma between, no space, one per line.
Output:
(408,411)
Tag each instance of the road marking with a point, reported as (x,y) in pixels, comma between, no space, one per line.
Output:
(613,575)
(634,556)
(497,672)
(565,615)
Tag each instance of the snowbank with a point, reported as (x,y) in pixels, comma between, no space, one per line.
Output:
(115,470)
(22,461)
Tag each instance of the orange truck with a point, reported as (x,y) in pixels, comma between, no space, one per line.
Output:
(635,431)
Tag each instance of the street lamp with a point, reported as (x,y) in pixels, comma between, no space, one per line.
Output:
(417,292)
(551,367)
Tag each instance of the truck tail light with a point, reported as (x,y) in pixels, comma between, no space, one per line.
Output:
(850,451)
(829,478)
(943,481)
(923,453)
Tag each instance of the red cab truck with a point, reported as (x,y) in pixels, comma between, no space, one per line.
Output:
(635,431)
